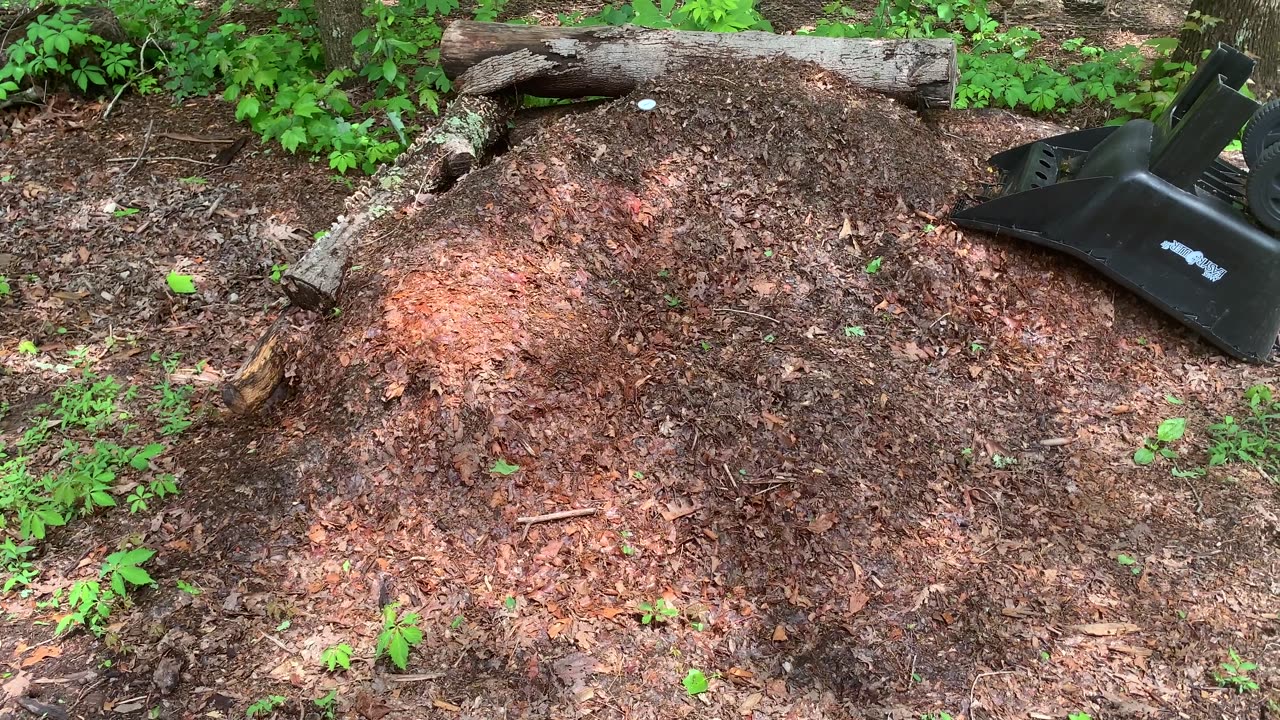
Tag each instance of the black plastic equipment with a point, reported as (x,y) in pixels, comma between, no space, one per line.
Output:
(1153,207)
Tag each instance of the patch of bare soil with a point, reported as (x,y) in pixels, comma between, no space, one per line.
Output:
(809,413)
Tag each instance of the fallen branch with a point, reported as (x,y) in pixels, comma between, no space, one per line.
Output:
(551,517)
(160,159)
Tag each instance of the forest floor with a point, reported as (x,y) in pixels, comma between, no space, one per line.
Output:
(876,465)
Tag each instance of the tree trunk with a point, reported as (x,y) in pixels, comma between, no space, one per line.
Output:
(339,21)
(1249,25)
(612,61)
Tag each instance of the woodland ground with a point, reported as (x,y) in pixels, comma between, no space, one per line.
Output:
(667,317)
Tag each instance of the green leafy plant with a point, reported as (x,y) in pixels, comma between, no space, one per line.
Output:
(4,286)
(26,347)
(873,267)
(124,212)
(1235,674)
(1003,462)
(328,705)
(1170,431)
(19,569)
(399,634)
(658,610)
(91,601)
(1079,716)
(188,588)
(265,706)
(1254,438)
(854,331)
(338,656)
(1129,562)
(277,271)
(695,682)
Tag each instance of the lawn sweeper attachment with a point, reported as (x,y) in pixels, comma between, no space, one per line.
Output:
(1153,206)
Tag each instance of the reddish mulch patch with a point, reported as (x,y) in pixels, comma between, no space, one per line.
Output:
(739,327)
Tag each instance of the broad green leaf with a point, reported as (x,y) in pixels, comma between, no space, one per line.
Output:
(117,584)
(873,267)
(181,284)
(26,347)
(136,556)
(247,108)
(398,649)
(140,460)
(1144,456)
(502,467)
(134,575)
(1172,429)
(389,70)
(695,682)
(293,137)
(412,635)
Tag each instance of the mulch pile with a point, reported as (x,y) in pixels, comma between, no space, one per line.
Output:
(809,412)
(810,415)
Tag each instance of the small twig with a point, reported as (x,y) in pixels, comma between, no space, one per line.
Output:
(563,514)
(146,143)
(276,641)
(417,678)
(746,312)
(1057,442)
(160,159)
(974,686)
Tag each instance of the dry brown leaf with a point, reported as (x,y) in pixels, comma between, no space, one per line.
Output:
(678,508)
(779,634)
(857,601)
(18,685)
(445,705)
(749,705)
(1106,629)
(847,229)
(41,653)
(822,523)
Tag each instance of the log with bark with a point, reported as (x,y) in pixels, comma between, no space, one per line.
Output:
(610,61)
(437,158)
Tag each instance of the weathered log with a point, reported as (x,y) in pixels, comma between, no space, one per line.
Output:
(263,369)
(431,164)
(611,61)
(532,121)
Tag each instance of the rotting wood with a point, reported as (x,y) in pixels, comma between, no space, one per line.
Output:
(263,369)
(470,126)
(611,61)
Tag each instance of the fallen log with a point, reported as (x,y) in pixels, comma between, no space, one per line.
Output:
(263,369)
(611,61)
(431,164)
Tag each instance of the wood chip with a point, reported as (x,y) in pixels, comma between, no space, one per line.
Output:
(445,705)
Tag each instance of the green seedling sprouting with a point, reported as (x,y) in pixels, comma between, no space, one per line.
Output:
(1169,431)
(659,610)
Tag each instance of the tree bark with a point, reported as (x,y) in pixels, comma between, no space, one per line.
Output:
(339,21)
(1249,25)
(471,125)
(611,61)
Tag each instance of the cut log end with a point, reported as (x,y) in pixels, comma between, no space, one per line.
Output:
(262,373)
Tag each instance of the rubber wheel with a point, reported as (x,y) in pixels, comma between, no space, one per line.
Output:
(1263,189)
(1262,132)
